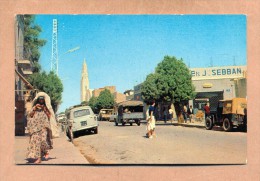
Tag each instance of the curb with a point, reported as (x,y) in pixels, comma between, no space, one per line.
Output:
(183,124)
(188,125)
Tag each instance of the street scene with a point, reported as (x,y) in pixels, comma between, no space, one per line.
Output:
(120,89)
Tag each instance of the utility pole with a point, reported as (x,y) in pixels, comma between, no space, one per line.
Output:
(54,56)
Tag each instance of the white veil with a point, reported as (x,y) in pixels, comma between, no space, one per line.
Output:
(53,123)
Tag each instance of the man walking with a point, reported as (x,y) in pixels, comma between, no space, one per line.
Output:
(207,110)
(185,113)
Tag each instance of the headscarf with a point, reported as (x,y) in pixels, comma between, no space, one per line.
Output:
(53,123)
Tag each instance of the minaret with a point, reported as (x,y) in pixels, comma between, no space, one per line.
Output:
(84,83)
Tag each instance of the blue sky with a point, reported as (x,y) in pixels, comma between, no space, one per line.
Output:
(121,50)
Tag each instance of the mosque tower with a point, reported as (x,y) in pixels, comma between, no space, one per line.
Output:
(85,91)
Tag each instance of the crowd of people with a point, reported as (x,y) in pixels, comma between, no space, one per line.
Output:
(187,112)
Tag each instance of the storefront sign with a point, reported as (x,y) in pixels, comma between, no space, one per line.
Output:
(218,72)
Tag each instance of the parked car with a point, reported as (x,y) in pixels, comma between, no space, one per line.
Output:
(113,117)
(230,113)
(104,114)
(80,118)
(61,118)
(130,112)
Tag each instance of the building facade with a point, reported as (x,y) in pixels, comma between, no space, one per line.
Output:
(215,83)
(85,92)
(129,94)
(96,92)
(118,97)
(23,68)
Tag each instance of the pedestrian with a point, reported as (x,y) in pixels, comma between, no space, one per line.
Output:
(151,121)
(185,113)
(207,110)
(190,113)
(165,114)
(39,128)
(171,114)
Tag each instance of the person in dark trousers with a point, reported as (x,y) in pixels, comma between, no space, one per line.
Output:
(185,113)
(207,110)
(165,114)
(190,113)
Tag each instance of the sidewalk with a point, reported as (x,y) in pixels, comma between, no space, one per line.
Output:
(196,124)
(63,152)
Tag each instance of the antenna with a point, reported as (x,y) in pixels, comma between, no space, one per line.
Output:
(54,55)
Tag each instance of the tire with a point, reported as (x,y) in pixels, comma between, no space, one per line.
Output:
(131,124)
(227,125)
(96,130)
(138,122)
(208,124)
(123,123)
(116,123)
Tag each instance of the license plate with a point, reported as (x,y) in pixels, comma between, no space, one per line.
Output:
(83,123)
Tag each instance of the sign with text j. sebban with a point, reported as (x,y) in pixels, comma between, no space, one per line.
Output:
(218,72)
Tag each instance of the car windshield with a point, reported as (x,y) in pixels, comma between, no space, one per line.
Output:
(82,112)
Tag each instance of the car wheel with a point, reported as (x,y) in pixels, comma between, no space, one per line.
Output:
(227,126)
(96,130)
(131,124)
(208,124)
(123,123)
(116,123)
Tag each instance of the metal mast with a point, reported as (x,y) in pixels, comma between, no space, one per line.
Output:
(54,56)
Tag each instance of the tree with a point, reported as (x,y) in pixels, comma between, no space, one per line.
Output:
(105,100)
(50,84)
(171,82)
(93,104)
(32,42)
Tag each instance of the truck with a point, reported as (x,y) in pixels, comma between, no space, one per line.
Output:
(130,112)
(104,114)
(229,114)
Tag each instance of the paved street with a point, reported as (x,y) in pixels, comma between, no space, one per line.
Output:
(173,145)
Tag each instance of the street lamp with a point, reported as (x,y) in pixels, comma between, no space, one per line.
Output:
(69,51)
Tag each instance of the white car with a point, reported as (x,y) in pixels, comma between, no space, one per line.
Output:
(113,117)
(80,119)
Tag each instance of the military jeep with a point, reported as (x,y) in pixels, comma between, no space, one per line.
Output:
(229,114)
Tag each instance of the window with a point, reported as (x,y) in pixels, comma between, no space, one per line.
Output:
(82,112)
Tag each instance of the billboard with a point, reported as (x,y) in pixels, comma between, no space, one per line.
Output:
(218,72)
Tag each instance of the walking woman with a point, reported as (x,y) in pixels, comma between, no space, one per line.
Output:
(151,121)
(39,129)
